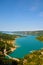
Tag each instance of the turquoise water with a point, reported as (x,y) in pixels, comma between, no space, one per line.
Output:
(26,44)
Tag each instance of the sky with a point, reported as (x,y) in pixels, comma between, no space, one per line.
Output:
(21,15)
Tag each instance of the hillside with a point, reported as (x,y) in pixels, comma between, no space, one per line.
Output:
(40,38)
(34,58)
(7,41)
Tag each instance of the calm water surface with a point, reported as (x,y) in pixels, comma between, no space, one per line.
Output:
(26,44)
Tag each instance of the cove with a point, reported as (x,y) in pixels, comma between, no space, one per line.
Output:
(26,45)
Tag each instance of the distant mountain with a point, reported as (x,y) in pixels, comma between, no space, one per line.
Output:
(40,32)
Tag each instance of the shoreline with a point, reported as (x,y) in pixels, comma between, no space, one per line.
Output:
(16,46)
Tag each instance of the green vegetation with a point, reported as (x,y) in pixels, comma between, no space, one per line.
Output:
(40,38)
(35,58)
(6,39)
(6,42)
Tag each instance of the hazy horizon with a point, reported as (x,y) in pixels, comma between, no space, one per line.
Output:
(20,31)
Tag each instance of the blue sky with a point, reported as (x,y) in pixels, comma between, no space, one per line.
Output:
(21,15)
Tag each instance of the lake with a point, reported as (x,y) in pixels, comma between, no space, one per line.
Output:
(26,45)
